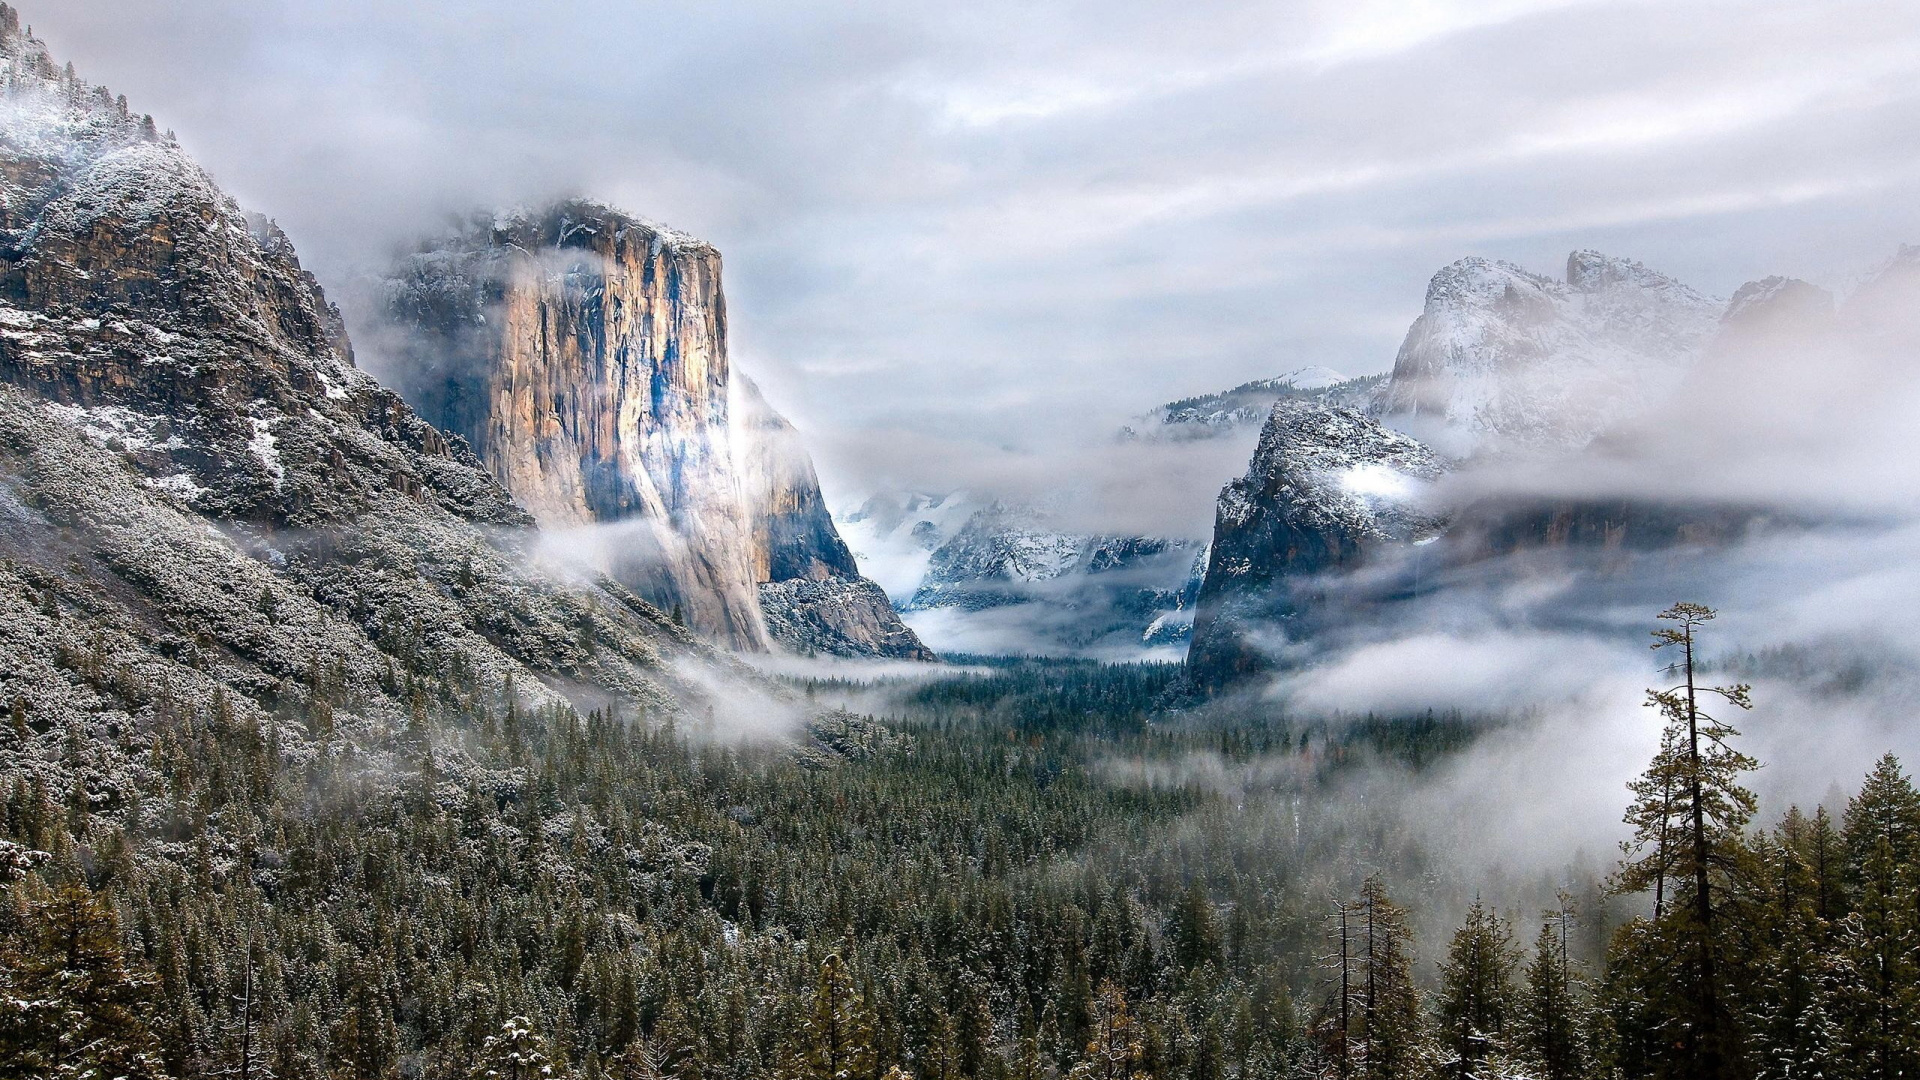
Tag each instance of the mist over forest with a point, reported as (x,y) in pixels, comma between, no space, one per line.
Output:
(1303,541)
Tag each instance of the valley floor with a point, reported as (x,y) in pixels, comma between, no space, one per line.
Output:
(1020,869)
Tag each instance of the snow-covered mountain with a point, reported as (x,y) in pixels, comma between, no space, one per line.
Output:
(992,576)
(582,353)
(1501,364)
(1245,407)
(1328,489)
(894,535)
(1503,360)
(206,498)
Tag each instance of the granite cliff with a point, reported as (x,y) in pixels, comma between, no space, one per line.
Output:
(210,510)
(582,353)
(1329,492)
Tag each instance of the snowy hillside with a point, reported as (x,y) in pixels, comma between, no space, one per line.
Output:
(1245,407)
(1504,360)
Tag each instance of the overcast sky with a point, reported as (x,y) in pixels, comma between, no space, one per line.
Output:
(955,228)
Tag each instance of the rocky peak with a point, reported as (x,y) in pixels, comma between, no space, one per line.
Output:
(1881,312)
(1773,300)
(582,352)
(1245,407)
(1327,490)
(1333,468)
(1502,359)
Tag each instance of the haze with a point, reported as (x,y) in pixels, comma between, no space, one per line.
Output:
(966,232)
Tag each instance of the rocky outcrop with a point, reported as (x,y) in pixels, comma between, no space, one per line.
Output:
(203,493)
(582,353)
(1329,492)
(1245,407)
(842,616)
(810,590)
(1507,361)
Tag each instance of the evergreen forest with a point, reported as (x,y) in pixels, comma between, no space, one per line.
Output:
(1021,869)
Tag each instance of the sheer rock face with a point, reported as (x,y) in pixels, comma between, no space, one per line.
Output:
(811,592)
(1329,489)
(1503,360)
(794,538)
(194,474)
(583,354)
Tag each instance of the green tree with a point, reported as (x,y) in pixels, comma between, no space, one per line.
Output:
(1390,1038)
(1196,929)
(1475,1006)
(1877,992)
(1688,814)
(1552,1029)
(839,1028)
(74,1007)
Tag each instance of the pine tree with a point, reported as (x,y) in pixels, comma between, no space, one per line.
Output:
(1115,1047)
(1390,1040)
(1196,929)
(1551,1026)
(74,1006)
(1886,811)
(1688,814)
(839,1028)
(1789,1029)
(514,1053)
(1877,992)
(1476,995)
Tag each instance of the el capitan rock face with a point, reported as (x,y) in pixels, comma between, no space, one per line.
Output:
(583,354)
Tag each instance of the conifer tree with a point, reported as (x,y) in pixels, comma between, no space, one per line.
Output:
(1789,1028)
(1115,1048)
(1877,989)
(73,1006)
(839,1028)
(1390,1041)
(1196,929)
(1688,814)
(1476,996)
(515,1052)
(1552,1033)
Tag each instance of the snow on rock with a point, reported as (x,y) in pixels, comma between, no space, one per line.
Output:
(1504,360)
(1328,488)
(840,616)
(894,535)
(1049,589)
(1245,407)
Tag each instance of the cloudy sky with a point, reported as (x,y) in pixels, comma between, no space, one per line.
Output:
(961,231)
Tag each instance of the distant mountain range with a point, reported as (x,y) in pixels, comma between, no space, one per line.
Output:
(1525,388)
